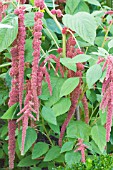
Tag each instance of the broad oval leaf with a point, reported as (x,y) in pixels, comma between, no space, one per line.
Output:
(83,24)
(93,75)
(74,130)
(68,86)
(31,137)
(67,147)
(110,44)
(98,134)
(68,62)
(27,162)
(93,2)
(7,36)
(72,158)
(81,58)
(5,26)
(39,149)
(49,115)
(52,154)
(62,106)
(71,6)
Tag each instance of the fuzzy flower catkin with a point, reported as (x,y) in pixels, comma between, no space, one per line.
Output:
(107,92)
(36,55)
(81,147)
(21,48)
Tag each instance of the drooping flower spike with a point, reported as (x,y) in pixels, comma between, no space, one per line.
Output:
(107,93)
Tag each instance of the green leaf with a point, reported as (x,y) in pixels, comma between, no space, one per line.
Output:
(81,58)
(27,161)
(9,114)
(93,75)
(83,24)
(74,130)
(55,128)
(94,2)
(56,87)
(31,137)
(68,86)
(28,50)
(67,147)
(98,134)
(102,117)
(5,26)
(68,62)
(52,154)
(71,6)
(7,36)
(29,19)
(110,44)
(62,106)
(49,115)
(72,158)
(39,149)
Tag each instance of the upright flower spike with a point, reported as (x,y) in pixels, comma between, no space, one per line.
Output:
(13,98)
(21,48)
(107,92)
(81,147)
(36,54)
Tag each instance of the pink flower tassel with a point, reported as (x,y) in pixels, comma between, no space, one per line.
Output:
(109,121)
(81,147)
(74,100)
(36,46)
(86,110)
(11,142)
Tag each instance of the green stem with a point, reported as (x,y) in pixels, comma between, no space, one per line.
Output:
(53,16)
(5,65)
(60,27)
(52,37)
(46,132)
(64,45)
(106,34)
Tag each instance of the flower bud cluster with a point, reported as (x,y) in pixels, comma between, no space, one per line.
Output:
(57,12)
(39,4)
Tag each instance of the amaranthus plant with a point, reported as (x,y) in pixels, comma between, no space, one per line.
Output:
(56,62)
